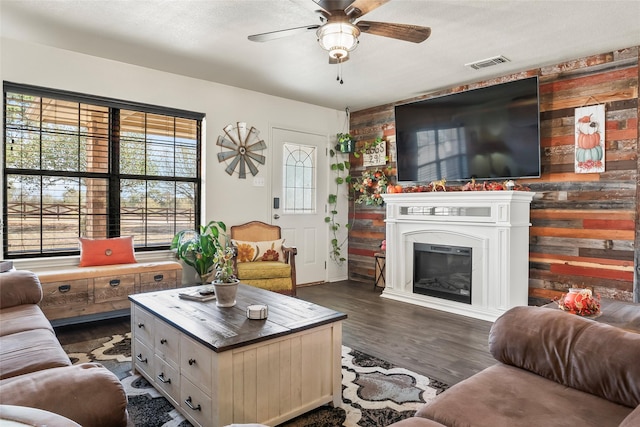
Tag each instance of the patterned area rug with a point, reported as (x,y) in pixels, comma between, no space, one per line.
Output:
(374,392)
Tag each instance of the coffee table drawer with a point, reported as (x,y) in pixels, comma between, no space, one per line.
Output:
(143,358)
(167,378)
(167,342)
(143,325)
(195,403)
(195,363)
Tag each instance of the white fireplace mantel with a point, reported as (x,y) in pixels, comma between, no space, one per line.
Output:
(495,224)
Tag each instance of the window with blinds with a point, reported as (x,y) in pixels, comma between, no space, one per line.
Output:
(83,166)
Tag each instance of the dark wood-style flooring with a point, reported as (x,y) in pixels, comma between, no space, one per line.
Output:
(442,346)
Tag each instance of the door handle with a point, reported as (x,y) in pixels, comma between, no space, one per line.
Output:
(276,216)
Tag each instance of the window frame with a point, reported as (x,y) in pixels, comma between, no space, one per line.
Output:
(113,174)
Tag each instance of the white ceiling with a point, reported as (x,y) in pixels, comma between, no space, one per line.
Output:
(208,40)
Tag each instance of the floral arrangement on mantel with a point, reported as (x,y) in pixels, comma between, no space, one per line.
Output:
(373,183)
(469,186)
(580,301)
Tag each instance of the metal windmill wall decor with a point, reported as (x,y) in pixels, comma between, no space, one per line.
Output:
(243,146)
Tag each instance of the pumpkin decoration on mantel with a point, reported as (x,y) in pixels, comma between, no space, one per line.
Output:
(589,140)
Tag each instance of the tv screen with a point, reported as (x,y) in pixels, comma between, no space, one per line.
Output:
(491,133)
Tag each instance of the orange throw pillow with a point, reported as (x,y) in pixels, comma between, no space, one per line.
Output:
(117,250)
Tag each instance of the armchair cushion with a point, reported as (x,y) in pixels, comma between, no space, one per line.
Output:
(263,270)
(269,250)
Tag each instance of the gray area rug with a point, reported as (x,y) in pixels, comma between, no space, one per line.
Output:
(374,392)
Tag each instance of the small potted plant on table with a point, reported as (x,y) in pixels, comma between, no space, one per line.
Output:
(209,252)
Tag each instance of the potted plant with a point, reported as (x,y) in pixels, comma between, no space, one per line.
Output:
(209,253)
(198,248)
(226,282)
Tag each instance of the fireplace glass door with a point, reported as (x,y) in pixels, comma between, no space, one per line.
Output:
(442,271)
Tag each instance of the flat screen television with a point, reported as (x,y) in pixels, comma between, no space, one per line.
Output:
(490,133)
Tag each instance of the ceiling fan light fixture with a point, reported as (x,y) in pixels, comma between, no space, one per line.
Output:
(339,38)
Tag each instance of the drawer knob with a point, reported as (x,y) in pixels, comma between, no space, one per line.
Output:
(64,288)
(192,361)
(162,378)
(115,282)
(140,325)
(163,341)
(189,403)
(158,277)
(139,357)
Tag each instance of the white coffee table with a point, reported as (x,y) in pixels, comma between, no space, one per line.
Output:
(217,367)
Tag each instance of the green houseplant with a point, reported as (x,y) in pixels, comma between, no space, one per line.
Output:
(207,251)
(210,254)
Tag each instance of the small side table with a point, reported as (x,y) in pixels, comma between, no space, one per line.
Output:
(380,264)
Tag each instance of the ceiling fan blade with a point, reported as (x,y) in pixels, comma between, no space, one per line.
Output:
(360,7)
(273,35)
(330,5)
(406,32)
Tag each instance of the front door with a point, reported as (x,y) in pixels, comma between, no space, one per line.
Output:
(299,190)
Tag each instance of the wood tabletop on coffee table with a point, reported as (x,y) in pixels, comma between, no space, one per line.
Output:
(223,329)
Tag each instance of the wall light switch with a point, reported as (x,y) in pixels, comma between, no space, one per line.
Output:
(258,181)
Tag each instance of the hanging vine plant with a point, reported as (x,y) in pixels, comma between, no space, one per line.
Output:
(341,168)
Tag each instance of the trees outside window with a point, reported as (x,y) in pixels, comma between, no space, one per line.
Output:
(82,166)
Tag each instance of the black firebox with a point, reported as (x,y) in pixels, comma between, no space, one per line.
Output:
(442,271)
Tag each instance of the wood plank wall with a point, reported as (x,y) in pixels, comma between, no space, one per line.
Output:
(585,227)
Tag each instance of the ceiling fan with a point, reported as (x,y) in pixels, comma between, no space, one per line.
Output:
(340,29)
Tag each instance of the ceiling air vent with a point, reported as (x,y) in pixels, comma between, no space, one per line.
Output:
(489,62)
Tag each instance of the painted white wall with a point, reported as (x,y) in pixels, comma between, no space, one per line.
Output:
(226,198)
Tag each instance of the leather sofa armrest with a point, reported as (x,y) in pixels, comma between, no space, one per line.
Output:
(19,287)
(88,394)
(573,351)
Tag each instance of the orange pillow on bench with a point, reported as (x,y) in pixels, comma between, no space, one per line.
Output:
(117,250)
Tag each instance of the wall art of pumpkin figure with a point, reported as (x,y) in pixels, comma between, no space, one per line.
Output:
(589,144)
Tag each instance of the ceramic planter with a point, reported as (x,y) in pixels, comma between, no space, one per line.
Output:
(226,293)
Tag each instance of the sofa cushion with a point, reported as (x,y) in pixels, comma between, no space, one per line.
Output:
(570,350)
(30,351)
(88,394)
(417,422)
(22,415)
(23,318)
(506,396)
(633,419)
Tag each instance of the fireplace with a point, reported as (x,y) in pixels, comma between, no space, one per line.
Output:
(442,271)
(465,252)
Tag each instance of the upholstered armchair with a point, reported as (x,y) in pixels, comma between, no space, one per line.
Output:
(262,259)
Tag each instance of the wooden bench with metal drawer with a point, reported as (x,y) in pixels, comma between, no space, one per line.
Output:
(80,294)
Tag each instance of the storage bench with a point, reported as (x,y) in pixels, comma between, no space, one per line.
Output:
(79,294)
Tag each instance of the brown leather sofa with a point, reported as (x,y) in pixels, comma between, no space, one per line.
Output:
(35,372)
(554,369)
